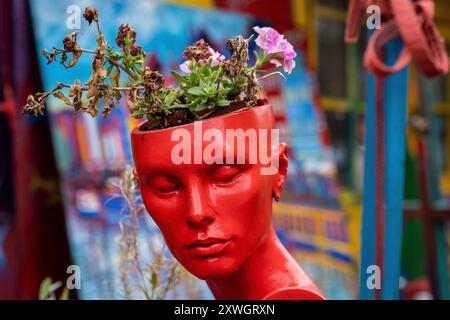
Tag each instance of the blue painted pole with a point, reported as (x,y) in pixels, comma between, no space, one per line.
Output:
(395,117)
(395,111)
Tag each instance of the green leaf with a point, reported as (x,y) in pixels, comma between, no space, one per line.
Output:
(178,106)
(200,107)
(193,77)
(114,78)
(169,99)
(196,91)
(136,69)
(138,114)
(128,42)
(223,103)
(44,290)
(224,91)
(154,280)
(64,294)
(115,56)
(108,71)
(135,83)
(180,77)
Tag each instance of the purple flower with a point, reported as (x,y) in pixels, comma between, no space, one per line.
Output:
(215,59)
(186,66)
(279,51)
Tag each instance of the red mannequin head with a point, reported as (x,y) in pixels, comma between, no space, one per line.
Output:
(212,216)
(215,216)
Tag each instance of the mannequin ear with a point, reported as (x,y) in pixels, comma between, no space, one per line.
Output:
(136,177)
(280,177)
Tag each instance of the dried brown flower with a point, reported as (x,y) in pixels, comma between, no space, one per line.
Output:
(124,31)
(238,47)
(153,80)
(70,42)
(135,50)
(198,51)
(90,14)
(108,105)
(33,106)
(77,93)
(176,117)
(50,56)
(251,88)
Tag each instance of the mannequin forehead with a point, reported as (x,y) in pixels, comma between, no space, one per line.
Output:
(247,135)
(185,149)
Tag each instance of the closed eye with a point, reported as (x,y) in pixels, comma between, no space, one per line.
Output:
(225,174)
(164,184)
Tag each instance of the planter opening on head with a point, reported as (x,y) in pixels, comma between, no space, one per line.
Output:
(238,106)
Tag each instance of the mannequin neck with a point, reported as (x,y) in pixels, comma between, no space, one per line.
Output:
(269,269)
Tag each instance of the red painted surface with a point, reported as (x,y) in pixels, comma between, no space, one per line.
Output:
(216,218)
(410,20)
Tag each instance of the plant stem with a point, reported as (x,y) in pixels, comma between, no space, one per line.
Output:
(271,74)
(110,60)
(119,65)
(98,27)
(63,85)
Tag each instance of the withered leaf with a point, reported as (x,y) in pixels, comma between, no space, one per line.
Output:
(61,96)
(75,56)
(76,92)
(74,89)
(92,108)
(63,58)
(50,56)
(114,77)
(77,104)
(108,105)
(131,100)
(101,71)
(98,67)
(92,90)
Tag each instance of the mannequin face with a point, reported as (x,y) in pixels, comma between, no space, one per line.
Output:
(212,216)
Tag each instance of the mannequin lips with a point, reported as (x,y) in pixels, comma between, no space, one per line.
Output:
(208,247)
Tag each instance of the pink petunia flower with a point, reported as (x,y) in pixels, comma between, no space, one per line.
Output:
(186,66)
(215,59)
(280,52)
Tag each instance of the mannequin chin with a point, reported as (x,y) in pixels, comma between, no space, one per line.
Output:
(215,216)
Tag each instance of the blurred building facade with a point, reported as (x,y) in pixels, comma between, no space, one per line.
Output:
(320,217)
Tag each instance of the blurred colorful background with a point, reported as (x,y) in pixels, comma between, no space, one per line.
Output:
(57,207)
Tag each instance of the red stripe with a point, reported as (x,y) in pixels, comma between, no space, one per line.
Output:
(379,183)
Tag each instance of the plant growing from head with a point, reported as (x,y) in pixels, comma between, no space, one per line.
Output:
(209,83)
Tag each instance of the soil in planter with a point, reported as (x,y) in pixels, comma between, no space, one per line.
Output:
(177,119)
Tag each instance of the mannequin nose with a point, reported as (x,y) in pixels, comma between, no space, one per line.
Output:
(198,212)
